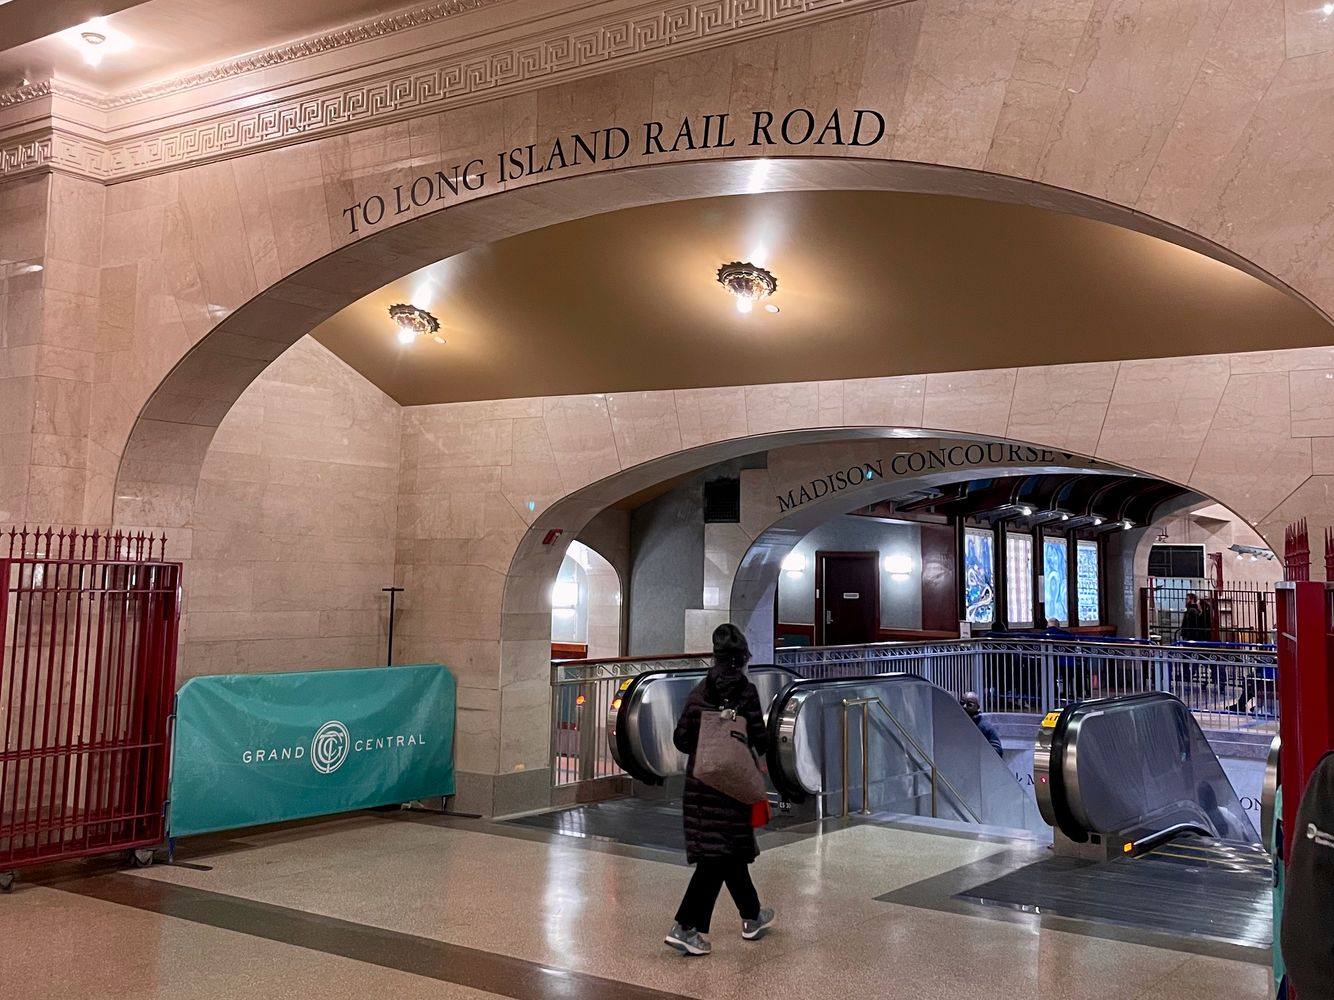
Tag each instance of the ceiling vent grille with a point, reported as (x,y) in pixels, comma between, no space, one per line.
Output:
(722,501)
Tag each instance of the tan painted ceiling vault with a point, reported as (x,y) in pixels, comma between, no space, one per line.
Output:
(868,284)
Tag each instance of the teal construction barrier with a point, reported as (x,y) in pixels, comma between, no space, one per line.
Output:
(251,749)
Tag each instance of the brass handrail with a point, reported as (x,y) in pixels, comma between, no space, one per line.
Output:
(936,776)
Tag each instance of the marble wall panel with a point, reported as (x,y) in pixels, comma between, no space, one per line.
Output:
(977,402)
(645,425)
(1238,67)
(708,415)
(965,53)
(1160,413)
(1037,84)
(783,407)
(1311,393)
(1249,454)
(293,521)
(1107,147)
(1063,406)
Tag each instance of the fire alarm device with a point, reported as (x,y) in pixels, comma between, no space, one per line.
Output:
(552,535)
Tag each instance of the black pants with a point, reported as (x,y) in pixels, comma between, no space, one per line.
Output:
(697,907)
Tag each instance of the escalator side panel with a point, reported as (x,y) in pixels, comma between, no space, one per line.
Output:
(807,749)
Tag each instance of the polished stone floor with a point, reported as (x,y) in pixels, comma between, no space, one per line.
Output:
(417,906)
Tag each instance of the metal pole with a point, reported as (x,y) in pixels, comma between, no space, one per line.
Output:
(933,788)
(866,762)
(845,760)
(393,592)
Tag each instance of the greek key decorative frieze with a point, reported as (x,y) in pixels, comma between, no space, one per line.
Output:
(25,155)
(628,39)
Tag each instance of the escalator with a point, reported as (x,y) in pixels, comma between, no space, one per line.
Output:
(642,719)
(1149,832)
(1126,775)
(906,747)
(890,744)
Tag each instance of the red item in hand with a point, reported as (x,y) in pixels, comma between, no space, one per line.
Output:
(760,813)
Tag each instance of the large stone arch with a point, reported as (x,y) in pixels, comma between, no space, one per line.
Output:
(170,435)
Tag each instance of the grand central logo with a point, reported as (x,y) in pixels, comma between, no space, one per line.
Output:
(331,746)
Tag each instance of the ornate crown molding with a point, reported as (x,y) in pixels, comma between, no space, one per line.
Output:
(316,45)
(437,82)
(28,92)
(264,59)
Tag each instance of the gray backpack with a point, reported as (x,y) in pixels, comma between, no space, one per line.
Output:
(723,760)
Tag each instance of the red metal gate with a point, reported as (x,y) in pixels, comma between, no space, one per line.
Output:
(87,680)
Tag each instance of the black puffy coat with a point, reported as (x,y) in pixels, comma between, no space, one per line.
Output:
(717,825)
(1308,897)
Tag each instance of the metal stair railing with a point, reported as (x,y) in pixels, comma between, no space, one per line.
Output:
(935,776)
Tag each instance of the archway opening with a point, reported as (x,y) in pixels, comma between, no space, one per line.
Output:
(585,606)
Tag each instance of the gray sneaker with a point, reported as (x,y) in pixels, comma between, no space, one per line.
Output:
(752,929)
(688,941)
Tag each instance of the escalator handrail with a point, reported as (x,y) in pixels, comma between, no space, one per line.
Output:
(1269,793)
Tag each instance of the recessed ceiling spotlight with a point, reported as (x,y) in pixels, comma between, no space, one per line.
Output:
(748,282)
(93,37)
(771,308)
(413,323)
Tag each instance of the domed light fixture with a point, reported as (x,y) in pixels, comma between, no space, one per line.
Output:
(748,282)
(413,323)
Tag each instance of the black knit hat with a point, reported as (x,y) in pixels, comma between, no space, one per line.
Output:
(730,649)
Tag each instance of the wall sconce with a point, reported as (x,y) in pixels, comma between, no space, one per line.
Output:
(794,564)
(897,566)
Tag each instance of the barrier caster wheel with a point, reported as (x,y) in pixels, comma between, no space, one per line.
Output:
(141,858)
(7,880)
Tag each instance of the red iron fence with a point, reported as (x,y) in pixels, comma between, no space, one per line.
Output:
(1297,552)
(87,680)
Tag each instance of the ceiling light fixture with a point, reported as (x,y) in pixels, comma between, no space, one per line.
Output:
(748,282)
(413,323)
(95,40)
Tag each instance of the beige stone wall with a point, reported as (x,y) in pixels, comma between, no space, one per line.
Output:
(53,469)
(293,531)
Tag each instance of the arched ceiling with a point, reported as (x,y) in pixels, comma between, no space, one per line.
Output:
(869,283)
(1091,502)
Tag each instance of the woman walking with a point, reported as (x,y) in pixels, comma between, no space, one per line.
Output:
(720,840)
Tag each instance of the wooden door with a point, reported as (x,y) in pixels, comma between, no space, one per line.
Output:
(847,597)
